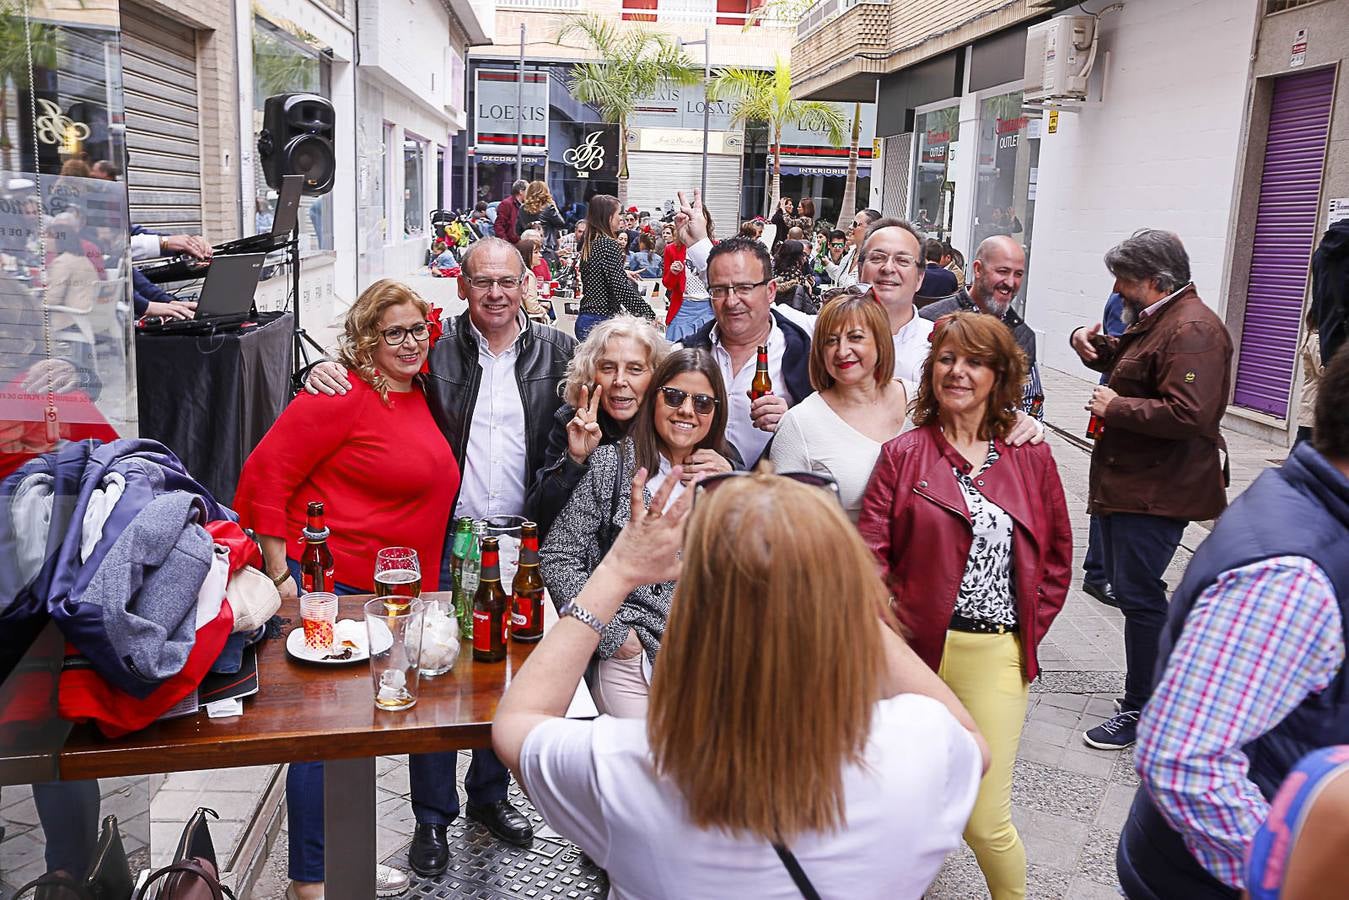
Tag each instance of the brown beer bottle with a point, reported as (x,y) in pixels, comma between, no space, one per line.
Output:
(316,563)
(527,589)
(762,385)
(1095,425)
(491,608)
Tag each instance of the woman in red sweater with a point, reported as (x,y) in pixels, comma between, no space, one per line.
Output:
(386,477)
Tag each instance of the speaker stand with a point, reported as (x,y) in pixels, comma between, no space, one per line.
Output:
(301,342)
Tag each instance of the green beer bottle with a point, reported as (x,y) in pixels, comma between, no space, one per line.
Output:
(469,573)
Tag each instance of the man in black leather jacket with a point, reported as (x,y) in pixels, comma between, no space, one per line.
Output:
(501,446)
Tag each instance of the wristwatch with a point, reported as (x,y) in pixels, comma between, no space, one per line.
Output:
(581,614)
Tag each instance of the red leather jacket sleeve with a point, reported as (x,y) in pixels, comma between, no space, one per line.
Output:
(1058,540)
(877,515)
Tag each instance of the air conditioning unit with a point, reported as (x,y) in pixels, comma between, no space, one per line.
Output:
(1059,57)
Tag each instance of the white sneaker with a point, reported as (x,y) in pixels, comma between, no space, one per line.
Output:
(390,882)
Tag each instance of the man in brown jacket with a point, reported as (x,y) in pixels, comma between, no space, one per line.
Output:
(1157,463)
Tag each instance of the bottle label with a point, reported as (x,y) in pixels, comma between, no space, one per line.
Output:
(482,630)
(519,620)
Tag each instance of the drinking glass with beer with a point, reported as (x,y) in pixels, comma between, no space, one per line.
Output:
(398,575)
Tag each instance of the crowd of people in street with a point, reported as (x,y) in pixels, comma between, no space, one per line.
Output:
(882,530)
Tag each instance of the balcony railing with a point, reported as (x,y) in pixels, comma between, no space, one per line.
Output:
(542,5)
(698,12)
(826,11)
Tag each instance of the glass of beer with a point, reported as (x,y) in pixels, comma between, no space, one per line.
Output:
(398,575)
(395,636)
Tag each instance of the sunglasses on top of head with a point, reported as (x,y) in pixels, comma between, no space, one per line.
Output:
(809,479)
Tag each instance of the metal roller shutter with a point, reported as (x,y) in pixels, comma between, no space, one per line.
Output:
(159,70)
(896,158)
(654,178)
(1285,230)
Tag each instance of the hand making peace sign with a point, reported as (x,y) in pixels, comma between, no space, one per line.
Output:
(583,431)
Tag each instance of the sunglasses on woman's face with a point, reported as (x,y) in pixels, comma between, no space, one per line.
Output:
(809,479)
(674,398)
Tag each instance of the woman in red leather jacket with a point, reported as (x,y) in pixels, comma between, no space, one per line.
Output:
(974,539)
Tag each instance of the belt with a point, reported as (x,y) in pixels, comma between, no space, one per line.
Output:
(978,626)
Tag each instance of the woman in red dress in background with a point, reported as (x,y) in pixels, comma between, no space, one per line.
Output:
(386,476)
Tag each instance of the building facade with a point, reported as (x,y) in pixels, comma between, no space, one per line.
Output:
(1237,143)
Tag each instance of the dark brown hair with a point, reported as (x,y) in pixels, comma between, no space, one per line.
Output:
(598,213)
(983,336)
(835,316)
(1330,435)
(646,442)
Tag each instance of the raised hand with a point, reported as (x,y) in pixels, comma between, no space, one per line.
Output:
(647,549)
(1081,341)
(696,229)
(583,431)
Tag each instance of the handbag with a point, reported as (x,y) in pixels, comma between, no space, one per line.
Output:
(109,875)
(194,873)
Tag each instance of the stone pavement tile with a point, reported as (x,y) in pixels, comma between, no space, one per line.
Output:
(1124,768)
(1046,883)
(1102,706)
(384,763)
(1084,889)
(1095,681)
(959,878)
(1035,751)
(1051,841)
(1053,715)
(1051,790)
(1074,702)
(395,780)
(395,812)
(22,811)
(1078,757)
(1098,856)
(1115,807)
(388,841)
(1047,733)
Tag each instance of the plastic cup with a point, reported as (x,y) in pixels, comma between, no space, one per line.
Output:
(318,617)
(395,636)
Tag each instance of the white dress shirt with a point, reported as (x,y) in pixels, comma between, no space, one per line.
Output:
(493,467)
(145,245)
(912,344)
(740,430)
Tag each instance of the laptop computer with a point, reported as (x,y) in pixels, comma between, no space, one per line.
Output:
(226,296)
(283,221)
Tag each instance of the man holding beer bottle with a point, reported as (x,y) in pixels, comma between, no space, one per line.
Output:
(492,388)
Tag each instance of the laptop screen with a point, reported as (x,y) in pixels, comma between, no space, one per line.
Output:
(287,204)
(230,285)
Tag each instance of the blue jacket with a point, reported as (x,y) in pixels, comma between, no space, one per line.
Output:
(1301,509)
(795,360)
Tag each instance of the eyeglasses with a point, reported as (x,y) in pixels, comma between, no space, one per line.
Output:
(901,260)
(674,398)
(742,290)
(396,335)
(809,479)
(508,283)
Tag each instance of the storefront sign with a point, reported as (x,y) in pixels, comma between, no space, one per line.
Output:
(497,115)
(1339,210)
(1299,49)
(680,106)
(596,156)
(826,171)
(804,145)
(684,140)
(1053,121)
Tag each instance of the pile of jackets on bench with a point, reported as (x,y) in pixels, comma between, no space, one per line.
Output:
(151,582)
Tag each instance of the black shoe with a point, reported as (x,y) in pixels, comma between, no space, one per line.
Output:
(429,853)
(504,821)
(1102,591)
(1115,733)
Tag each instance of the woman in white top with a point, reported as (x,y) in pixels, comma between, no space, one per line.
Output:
(785,710)
(857,405)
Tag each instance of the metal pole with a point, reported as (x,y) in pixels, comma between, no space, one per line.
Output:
(707,101)
(520,111)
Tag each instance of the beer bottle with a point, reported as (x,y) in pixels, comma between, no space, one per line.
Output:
(527,589)
(762,385)
(1095,425)
(491,608)
(316,562)
(463,608)
(470,574)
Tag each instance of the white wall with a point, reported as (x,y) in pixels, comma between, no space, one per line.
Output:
(1162,151)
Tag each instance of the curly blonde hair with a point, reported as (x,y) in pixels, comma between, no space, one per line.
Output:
(537,197)
(360,332)
(585,361)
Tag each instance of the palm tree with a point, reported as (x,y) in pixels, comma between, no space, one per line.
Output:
(22,46)
(847,207)
(631,63)
(759,96)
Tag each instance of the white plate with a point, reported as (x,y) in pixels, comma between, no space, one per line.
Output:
(348,629)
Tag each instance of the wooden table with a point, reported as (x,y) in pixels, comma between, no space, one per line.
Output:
(320,712)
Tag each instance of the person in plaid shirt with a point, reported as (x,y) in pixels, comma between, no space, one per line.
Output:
(1252,674)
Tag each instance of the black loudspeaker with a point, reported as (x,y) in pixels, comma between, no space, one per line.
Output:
(297,139)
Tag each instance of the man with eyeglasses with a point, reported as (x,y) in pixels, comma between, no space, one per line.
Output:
(999,267)
(492,389)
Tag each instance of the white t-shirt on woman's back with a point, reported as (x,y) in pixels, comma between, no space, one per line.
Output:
(595,784)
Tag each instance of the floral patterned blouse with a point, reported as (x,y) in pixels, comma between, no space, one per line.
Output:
(986,587)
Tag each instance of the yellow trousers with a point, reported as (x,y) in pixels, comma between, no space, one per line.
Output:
(986,672)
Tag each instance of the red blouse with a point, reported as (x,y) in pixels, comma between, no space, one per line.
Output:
(384,472)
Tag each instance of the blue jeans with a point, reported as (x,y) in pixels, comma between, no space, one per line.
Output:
(68,813)
(1137,549)
(585,322)
(1093,565)
(693,314)
(435,798)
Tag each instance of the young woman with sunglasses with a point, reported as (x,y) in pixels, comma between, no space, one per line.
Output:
(680,423)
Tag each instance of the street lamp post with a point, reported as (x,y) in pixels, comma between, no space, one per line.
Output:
(706,43)
(520,111)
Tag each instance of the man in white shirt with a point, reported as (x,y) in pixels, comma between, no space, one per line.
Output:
(845,272)
(492,389)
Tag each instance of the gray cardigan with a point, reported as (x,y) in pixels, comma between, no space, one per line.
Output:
(572,551)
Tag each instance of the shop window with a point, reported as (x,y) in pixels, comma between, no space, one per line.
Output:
(1008,167)
(284,64)
(933,191)
(414,187)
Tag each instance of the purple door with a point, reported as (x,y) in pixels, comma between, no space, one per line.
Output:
(1285,232)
